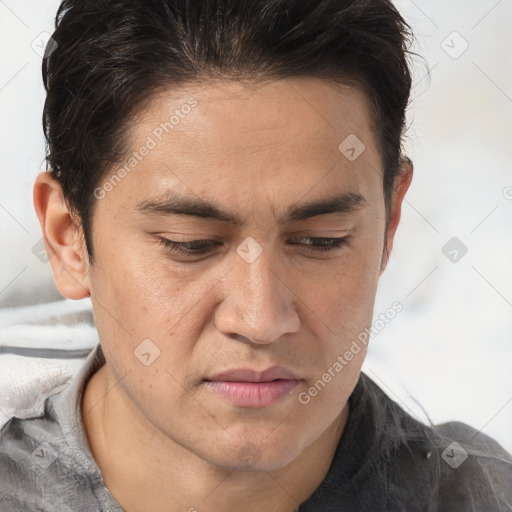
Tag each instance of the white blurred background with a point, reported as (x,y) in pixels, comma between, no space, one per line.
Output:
(450,349)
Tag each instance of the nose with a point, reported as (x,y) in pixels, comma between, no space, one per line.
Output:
(258,303)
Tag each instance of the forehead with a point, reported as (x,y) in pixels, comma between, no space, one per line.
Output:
(241,112)
(231,139)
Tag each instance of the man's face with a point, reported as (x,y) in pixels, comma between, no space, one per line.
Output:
(262,293)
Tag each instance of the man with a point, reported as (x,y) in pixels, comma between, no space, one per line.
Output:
(225,182)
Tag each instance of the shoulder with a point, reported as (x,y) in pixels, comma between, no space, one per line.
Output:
(451,464)
(39,470)
(22,465)
(475,469)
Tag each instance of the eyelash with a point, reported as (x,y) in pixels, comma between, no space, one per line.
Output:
(204,246)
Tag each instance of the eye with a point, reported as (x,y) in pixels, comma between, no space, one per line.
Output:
(323,244)
(201,247)
(189,248)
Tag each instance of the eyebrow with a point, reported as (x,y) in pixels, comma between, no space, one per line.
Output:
(169,204)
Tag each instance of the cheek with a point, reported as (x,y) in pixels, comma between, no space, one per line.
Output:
(340,314)
(339,310)
(144,290)
(343,293)
(145,306)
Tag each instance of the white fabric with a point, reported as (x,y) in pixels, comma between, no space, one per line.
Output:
(26,381)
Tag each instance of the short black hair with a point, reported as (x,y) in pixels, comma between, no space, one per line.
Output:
(109,57)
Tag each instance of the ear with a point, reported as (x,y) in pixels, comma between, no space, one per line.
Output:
(400,187)
(63,238)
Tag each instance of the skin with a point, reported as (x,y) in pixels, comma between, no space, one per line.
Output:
(254,151)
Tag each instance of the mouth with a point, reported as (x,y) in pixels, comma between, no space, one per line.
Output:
(253,389)
(253,395)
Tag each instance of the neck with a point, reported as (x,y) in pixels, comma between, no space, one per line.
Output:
(132,454)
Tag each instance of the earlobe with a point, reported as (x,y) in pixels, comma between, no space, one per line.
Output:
(400,187)
(62,238)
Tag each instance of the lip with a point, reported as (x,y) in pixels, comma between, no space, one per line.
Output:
(250,375)
(253,389)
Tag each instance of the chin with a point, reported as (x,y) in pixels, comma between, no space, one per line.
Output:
(249,456)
